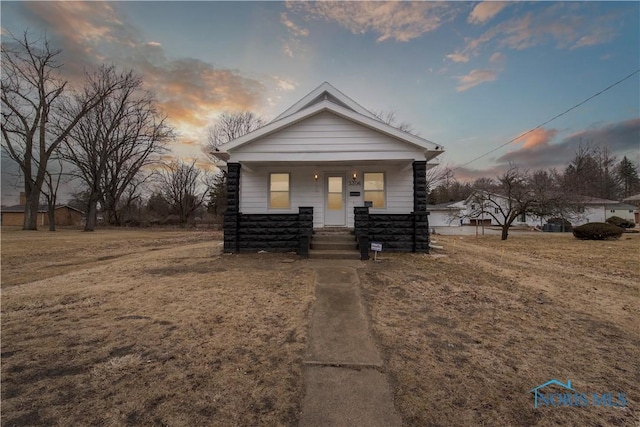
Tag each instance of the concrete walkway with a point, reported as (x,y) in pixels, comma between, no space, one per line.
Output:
(344,381)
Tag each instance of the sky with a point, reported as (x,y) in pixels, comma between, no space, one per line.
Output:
(469,76)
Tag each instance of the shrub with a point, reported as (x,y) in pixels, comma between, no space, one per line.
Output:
(597,231)
(620,222)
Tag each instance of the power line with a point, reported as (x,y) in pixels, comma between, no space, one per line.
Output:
(550,120)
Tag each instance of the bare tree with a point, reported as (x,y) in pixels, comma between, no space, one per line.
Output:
(517,192)
(505,199)
(36,117)
(389,117)
(179,184)
(113,143)
(50,191)
(229,126)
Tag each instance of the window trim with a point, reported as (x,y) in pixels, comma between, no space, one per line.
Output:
(269,191)
(383,191)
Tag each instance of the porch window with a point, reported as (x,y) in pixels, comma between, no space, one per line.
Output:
(374,189)
(279,191)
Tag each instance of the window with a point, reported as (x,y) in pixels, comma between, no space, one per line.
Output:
(496,210)
(630,210)
(279,191)
(613,211)
(374,189)
(523,218)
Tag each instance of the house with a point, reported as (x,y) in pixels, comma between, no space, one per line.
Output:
(64,215)
(635,201)
(450,214)
(326,162)
(599,210)
(592,210)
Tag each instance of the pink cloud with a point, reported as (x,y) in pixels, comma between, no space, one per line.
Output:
(189,90)
(401,21)
(567,25)
(539,137)
(474,78)
(486,10)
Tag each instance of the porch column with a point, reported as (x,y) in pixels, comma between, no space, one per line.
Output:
(420,214)
(232,214)
(420,186)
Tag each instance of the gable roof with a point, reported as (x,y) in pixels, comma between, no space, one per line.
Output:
(338,104)
(326,92)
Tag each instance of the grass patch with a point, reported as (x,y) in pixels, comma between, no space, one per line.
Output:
(149,328)
(468,334)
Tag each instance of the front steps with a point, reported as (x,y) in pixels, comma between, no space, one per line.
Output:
(334,243)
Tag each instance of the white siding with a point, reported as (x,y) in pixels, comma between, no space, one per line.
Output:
(305,191)
(327,136)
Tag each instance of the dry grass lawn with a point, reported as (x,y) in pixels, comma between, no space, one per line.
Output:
(130,327)
(468,334)
(139,327)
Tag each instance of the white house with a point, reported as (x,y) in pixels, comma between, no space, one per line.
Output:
(593,210)
(314,166)
(447,214)
(635,201)
(599,210)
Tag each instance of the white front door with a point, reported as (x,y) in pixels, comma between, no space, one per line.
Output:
(335,212)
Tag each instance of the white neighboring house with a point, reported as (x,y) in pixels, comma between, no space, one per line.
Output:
(634,200)
(594,210)
(599,210)
(447,214)
(324,156)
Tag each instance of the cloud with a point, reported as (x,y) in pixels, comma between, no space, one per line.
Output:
(566,25)
(484,11)
(539,137)
(458,57)
(293,45)
(401,21)
(189,91)
(285,85)
(474,78)
(620,137)
(294,30)
(498,58)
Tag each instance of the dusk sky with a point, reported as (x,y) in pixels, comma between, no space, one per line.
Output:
(469,76)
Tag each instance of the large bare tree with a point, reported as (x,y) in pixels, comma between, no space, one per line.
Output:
(36,110)
(181,187)
(517,192)
(112,144)
(231,125)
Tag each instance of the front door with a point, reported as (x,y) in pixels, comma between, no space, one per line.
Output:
(334,204)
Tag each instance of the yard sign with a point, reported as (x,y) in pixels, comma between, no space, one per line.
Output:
(376,247)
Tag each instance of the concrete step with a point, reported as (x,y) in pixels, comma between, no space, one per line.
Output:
(334,254)
(333,238)
(333,230)
(334,245)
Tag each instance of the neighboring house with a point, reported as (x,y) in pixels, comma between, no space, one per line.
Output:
(316,165)
(593,210)
(447,214)
(64,215)
(635,201)
(598,210)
